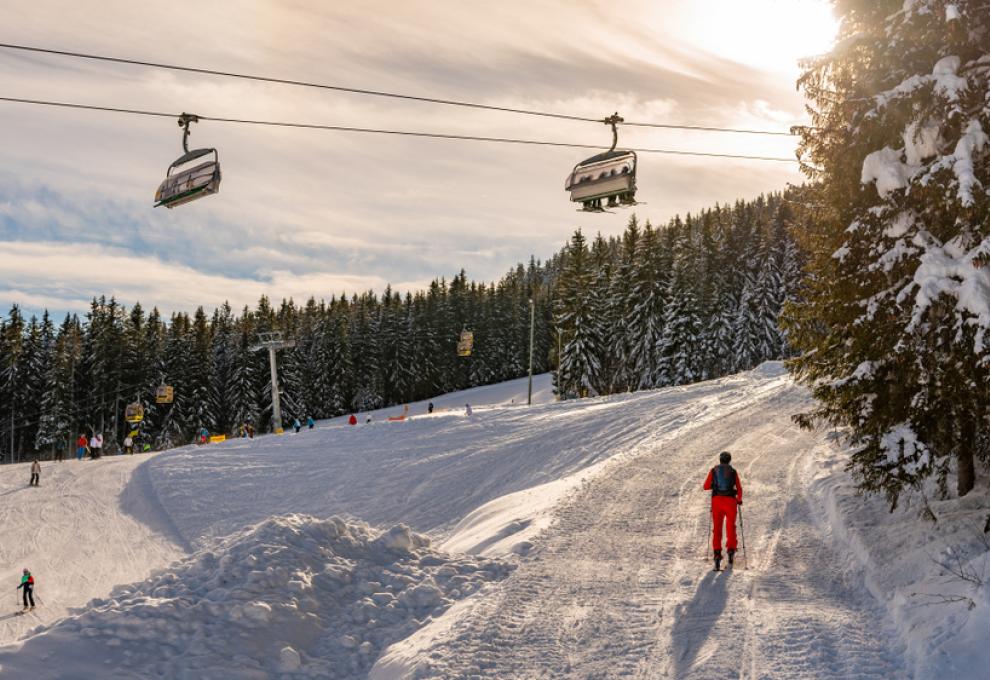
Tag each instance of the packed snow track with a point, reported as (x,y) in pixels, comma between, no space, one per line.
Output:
(621,586)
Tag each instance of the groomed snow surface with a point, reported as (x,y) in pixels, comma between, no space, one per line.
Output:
(559,540)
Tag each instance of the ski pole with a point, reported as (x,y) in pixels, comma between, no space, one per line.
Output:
(708,536)
(742,535)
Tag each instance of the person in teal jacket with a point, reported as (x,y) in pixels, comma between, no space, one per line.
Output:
(27,583)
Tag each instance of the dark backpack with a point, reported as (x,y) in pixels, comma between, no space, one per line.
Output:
(723,481)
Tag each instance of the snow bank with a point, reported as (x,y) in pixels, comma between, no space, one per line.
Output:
(917,568)
(293,595)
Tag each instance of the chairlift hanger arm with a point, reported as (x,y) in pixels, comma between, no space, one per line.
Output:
(614,121)
(184,120)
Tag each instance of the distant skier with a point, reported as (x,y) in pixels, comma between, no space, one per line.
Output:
(726,488)
(467,410)
(310,423)
(35,473)
(429,407)
(250,431)
(296,425)
(81,445)
(27,583)
(352,420)
(128,445)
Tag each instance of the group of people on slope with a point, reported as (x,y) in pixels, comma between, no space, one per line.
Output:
(93,446)
(89,445)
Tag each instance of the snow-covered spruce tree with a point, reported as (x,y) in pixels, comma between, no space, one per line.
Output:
(57,408)
(893,326)
(679,345)
(622,302)
(647,300)
(241,396)
(178,418)
(582,342)
(603,311)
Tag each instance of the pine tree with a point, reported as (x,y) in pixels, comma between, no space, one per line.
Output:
(622,302)
(57,406)
(579,367)
(647,293)
(679,344)
(892,326)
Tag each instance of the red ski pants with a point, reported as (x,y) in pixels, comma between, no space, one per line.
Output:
(723,509)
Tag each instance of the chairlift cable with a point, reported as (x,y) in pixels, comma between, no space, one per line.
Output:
(405,133)
(380,93)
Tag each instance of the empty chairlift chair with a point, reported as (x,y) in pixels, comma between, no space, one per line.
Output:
(192,181)
(608,176)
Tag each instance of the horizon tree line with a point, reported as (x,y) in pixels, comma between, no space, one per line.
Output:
(692,300)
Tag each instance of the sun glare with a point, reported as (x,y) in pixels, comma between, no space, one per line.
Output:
(767,34)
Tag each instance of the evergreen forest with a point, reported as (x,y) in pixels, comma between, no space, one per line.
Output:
(662,305)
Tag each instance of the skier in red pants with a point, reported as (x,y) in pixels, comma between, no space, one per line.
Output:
(723,480)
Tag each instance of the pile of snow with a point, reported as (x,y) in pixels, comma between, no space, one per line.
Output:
(298,595)
(933,576)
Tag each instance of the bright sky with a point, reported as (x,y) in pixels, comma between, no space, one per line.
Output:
(305,213)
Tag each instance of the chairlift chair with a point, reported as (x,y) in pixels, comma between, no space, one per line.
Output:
(134,413)
(608,176)
(197,181)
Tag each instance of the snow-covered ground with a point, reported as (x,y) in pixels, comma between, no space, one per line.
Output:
(566,539)
(90,526)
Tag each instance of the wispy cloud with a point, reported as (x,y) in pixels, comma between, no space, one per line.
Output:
(303,212)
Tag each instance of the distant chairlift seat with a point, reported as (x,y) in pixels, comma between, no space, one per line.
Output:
(134,413)
(609,176)
(188,185)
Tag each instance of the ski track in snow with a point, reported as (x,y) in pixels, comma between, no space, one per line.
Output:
(621,585)
(79,533)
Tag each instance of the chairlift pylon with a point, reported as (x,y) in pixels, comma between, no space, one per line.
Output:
(608,176)
(194,182)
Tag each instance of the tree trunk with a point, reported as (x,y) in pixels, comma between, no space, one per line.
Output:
(966,470)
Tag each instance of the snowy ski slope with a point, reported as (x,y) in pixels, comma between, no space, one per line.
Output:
(560,540)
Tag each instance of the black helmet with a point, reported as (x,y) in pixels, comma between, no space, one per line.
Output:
(724,457)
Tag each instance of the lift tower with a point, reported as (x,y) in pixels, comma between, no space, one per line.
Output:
(272,341)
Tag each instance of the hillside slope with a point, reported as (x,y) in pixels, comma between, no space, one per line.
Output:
(566,539)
